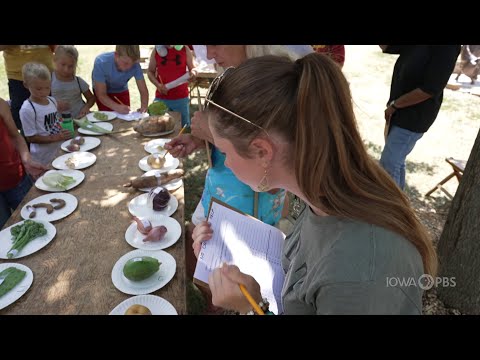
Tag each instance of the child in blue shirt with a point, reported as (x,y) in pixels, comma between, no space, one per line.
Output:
(110,76)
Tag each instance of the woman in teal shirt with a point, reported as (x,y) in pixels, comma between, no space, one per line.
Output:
(220,182)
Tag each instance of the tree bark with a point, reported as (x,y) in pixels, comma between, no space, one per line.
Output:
(459,245)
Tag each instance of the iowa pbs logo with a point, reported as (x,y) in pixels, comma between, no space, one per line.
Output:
(426,282)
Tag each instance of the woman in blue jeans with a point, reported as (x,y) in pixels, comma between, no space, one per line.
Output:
(16,165)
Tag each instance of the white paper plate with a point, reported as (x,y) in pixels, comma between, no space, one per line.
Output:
(32,246)
(76,174)
(156,304)
(152,146)
(19,289)
(140,207)
(170,186)
(171,163)
(105,125)
(81,159)
(132,116)
(89,144)
(158,280)
(41,213)
(159,134)
(174,230)
(111,115)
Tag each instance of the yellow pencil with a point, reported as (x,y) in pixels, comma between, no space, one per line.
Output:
(252,302)
(119,101)
(180,133)
(183,129)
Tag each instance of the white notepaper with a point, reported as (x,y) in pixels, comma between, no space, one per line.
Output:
(179,81)
(255,247)
(132,116)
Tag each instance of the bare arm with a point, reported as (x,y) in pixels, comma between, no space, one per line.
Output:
(152,68)
(47,139)
(90,99)
(33,168)
(101,92)
(189,59)
(200,128)
(90,102)
(413,97)
(152,74)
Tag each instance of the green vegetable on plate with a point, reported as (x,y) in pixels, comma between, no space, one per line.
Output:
(87,125)
(100,116)
(12,277)
(58,180)
(23,234)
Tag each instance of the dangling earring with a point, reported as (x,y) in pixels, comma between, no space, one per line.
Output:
(263,185)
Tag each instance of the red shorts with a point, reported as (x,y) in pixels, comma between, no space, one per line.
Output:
(124,97)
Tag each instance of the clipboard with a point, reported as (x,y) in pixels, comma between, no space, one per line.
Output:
(241,239)
(215,200)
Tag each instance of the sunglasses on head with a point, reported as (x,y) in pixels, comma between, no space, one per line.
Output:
(211,90)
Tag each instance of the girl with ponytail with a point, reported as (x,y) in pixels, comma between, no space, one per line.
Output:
(291,125)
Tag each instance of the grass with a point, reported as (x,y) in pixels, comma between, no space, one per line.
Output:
(453,133)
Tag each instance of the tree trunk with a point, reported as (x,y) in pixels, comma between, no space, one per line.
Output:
(459,245)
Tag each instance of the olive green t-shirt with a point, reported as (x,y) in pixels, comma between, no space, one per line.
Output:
(341,266)
(17,56)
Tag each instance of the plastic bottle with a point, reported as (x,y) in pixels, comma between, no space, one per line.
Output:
(67,122)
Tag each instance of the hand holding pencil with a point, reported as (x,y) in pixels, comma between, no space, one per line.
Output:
(180,133)
(232,289)
(124,109)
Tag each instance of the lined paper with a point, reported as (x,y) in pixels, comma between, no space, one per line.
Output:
(255,247)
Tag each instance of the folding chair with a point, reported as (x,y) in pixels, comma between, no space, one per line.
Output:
(458,167)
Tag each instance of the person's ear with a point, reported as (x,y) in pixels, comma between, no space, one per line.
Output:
(25,84)
(262,149)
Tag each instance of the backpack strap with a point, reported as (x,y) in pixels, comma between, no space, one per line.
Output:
(53,100)
(78,82)
(35,112)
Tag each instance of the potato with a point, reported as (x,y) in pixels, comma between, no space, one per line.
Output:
(155,124)
(79,140)
(138,309)
(73,147)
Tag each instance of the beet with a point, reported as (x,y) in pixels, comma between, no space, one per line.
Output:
(159,197)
